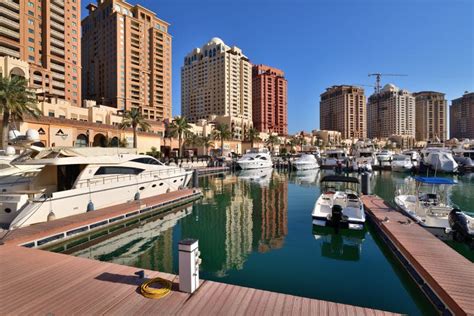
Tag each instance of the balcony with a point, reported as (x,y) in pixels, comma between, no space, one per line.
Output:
(9,33)
(58,43)
(57,67)
(57,51)
(58,76)
(9,24)
(59,3)
(57,26)
(57,18)
(56,9)
(10,4)
(9,14)
(57,35)
(37,78)
(57,84)
(57,92)
(9,52)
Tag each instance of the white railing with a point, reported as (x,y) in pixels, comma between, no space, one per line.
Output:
(157,174)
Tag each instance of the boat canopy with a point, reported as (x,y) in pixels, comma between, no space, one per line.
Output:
(333,178)
(434,180)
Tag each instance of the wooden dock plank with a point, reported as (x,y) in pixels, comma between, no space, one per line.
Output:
(447,272)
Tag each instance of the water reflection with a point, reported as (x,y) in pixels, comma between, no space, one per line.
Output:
(259,176)
(306,177)
(342,245)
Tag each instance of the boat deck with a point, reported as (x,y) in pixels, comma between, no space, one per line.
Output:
(443,274)
(127,210)
(34,281)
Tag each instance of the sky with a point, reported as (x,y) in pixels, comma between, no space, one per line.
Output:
(323,43)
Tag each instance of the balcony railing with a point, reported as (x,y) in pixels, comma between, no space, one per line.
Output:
(10,4)
(57,18)
(57,67)
(57,51)
(57,26)
(57,42)
(9,33)
(57,35)
(57,9)
(58,76)
(10,52)
(10,24)
(10,13)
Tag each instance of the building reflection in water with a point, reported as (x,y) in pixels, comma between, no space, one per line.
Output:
(238,215)
(345,244)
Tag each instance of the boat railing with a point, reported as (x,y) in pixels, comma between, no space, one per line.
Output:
(158,174)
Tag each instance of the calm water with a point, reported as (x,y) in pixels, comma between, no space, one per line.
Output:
(256,231)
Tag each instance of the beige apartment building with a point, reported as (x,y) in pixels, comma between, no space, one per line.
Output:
(217,80)
(391,112)
(126,58)
(461,115)
(343,108)
(46,34)
(431,115)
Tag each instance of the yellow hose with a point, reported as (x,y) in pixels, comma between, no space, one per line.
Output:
(150,292)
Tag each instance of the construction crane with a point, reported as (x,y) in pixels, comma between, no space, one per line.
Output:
(378,76)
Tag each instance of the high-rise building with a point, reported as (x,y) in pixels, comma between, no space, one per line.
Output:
(391,112)
(461,115)
(46,34)
(127,58)
(431,115)
(217,80)
(343,108)
(269,100)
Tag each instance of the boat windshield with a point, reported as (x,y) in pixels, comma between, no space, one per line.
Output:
(365,154)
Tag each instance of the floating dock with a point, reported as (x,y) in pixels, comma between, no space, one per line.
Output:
(445,276)
(35,281)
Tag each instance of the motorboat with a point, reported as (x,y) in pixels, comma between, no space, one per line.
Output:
(414,156)
(464,156)
(344,245)
(305,162)
(255,159)
(339,208)
(363,157)
(261,176)
(77,180)
(439,158)
(402,163)
(384,158)
(427,204)
(334,158)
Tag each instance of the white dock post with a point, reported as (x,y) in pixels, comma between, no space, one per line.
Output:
(189,262)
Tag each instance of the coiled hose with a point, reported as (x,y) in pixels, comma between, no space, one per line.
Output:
(155,293)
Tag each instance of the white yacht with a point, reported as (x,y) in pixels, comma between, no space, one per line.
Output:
(255,159)
(402,163)
(76,180)
(384,158)
(334,157)
(305,162)
(364,157)
(439,158)
(341,209)
(464,156)
(430,208)
(414,156)
(15,177)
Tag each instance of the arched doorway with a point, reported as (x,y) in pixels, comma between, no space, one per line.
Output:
(17,72)
(114,142)
(100,140)
(81,141)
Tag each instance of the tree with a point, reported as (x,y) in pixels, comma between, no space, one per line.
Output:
(207,142)
(222,132)
(134,119)
(252,135)
(16,100)
(272,141)
(180,127)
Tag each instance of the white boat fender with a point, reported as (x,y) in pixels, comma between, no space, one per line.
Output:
(90,206)
(51,216)
(137,196)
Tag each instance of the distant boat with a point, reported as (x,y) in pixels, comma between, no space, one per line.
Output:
(255,159)
(439,158)
(334,157)
(401,163)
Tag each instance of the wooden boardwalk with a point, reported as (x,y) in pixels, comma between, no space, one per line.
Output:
(435,266)
(34,281)
(126,211)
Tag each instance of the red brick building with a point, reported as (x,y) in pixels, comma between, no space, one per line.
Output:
(269,100)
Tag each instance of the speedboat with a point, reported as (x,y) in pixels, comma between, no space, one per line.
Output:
(341,209)
(401,163)
(439,158)
(464,156)
(255,159)
(305,162)
(431,210)
(333,158)
(414,156)
(77,180)
(384,157)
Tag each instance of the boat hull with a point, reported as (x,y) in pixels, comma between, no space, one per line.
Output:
(245,165)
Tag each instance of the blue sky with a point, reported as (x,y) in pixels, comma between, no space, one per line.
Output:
(324,43)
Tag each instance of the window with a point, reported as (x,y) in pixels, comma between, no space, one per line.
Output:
(31,31)
(31,58)
(51,113)
(31,13)
(147,160)
(31,22)
(31,49)
(31,4)
(31,40)
(118,170)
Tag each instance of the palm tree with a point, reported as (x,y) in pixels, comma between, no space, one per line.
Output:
(134,119)
(192,139)
(180,127)
(222,132)
(252,135)
(207,142)
(272,141)
(16,100)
